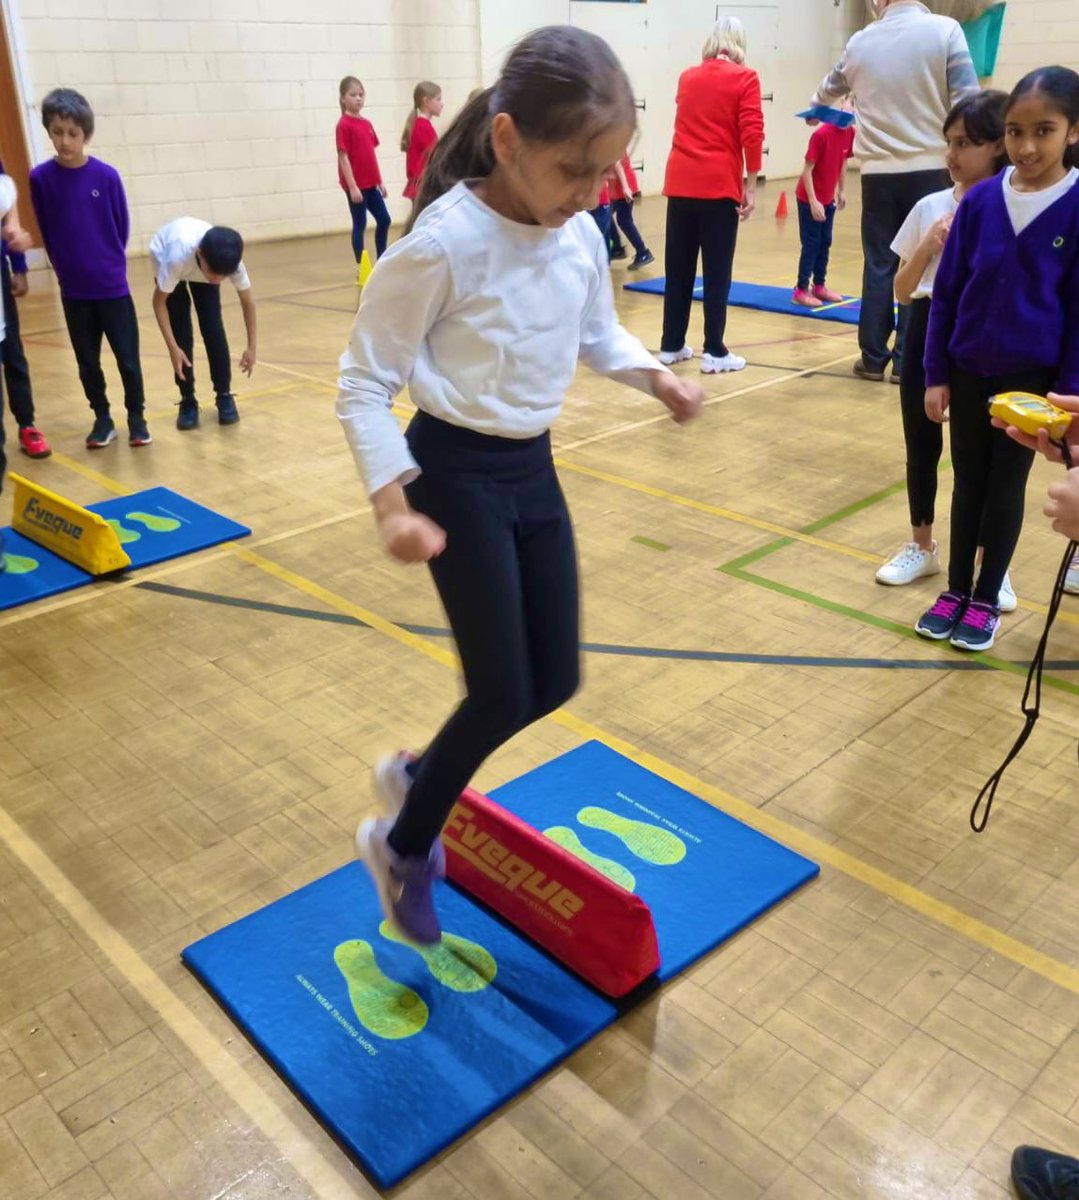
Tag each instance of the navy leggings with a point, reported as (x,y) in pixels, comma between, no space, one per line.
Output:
(623,215)
(508,582)
(372,201)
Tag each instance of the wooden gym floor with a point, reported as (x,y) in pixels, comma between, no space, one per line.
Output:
(170,762)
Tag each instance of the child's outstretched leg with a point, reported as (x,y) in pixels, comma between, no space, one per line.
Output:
(358,212)
(377,207)
(508,582)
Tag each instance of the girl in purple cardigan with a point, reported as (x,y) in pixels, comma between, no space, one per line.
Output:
(1004,318)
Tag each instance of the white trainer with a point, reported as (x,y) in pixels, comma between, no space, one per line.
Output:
(910,562)
(711,365)
(1071,579)
(669,357)
(1006,601)
(392,781)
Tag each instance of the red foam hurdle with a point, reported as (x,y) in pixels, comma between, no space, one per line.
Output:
(584,919)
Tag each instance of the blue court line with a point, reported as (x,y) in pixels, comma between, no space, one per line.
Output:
(673,654)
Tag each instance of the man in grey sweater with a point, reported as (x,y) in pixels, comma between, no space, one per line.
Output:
(905,72)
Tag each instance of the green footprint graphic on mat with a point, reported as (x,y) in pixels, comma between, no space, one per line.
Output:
(569,840)
(153,522)
(122,532)
(651,843)
(384,1007)
(18,564)
(457,963)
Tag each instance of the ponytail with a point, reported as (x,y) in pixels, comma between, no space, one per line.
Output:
(424,90)
(463,152)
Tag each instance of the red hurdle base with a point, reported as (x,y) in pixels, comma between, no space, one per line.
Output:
(584,919)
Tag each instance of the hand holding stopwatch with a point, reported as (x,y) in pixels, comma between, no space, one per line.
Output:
(1040,425)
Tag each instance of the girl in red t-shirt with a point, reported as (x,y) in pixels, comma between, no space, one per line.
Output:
(419,137)
(357,168)
(624,190)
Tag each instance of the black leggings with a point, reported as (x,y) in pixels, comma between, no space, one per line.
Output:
(623,215)
(990,480)
(207,300)
(708,228)
(508,582)
(16,369)
(924,438)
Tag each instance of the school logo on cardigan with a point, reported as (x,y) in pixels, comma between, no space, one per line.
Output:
(1058,242)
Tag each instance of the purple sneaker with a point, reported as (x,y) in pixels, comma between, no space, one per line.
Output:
(404,884)
(940,621)
(392,781)
(978,627)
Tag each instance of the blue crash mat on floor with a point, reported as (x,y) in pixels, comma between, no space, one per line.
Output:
(399,1053)
(152,526)
(767,299)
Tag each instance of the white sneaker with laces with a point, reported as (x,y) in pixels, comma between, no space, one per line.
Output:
(910,562)
(1071,579)
(1007,601)
(669,357)
(711,365)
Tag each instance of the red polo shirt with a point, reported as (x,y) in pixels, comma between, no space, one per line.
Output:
(718,131)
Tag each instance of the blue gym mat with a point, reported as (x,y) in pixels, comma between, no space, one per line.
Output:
(153,526)
(384,1048)
(767,299)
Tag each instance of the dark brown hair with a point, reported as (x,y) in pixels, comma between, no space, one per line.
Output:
(1060,87)
(982,114)
(559,83)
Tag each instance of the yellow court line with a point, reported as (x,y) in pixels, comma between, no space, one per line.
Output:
(716,511)
(813,847)
(284,1137)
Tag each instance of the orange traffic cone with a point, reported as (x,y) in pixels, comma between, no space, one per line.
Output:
(781,207)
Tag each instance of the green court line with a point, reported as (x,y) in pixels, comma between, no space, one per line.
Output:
(736,569)
(643,541)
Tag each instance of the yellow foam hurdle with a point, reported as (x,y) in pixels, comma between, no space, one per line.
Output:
(67,529)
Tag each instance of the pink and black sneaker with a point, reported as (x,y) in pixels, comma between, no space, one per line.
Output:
(941,621)
(978,628)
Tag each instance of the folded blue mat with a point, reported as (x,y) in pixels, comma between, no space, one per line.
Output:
(399,1052)
(767,299)
(153,526)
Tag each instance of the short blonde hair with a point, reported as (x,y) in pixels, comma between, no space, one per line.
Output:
(727,37)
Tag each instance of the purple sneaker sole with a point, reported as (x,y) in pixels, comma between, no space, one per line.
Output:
(404,885)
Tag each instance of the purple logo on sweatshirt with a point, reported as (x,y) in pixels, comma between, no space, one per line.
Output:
(95,193)
(1057,243)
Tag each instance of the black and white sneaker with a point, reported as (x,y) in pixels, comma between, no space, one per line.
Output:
(103,432)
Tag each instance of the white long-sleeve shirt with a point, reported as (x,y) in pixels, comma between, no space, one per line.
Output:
(484,319)
(906,71)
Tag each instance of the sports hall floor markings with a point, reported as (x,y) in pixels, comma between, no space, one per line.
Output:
(671,653)
(896,889)
(297,1147)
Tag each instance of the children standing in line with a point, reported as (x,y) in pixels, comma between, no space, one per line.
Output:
(13,285)
(820,194)
(974,132)
(82,212)
(19,241)
(1004,318)
(419,136)
(357,168)
(624,191)
(483,310)
(191,260)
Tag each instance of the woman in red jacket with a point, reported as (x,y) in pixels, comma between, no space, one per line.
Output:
(710,186)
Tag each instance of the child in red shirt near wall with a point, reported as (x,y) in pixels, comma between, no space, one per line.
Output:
(357,168)
(624,190)
(820,194)
(419,137)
